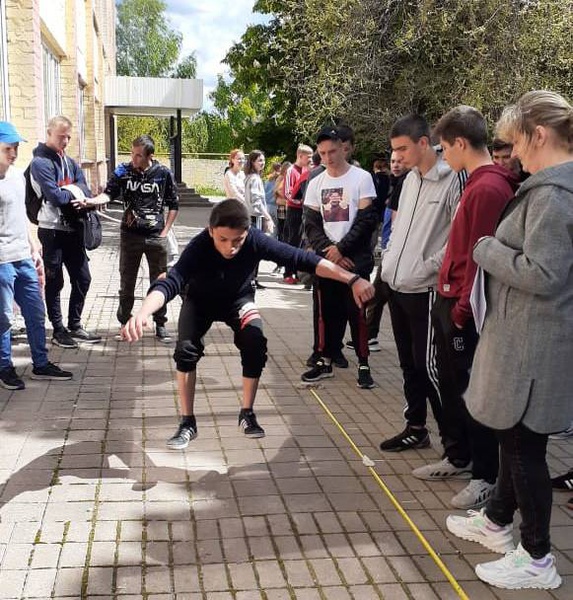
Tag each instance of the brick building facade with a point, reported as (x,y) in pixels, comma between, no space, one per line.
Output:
(54,57)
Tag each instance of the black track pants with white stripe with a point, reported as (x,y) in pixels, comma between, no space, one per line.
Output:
(411,325)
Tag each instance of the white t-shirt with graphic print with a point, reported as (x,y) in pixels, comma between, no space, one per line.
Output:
(337,198)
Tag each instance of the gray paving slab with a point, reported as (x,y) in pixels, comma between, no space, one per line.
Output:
(93,505)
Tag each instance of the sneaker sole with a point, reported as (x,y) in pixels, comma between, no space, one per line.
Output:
(254,436)
(311,381)
(460,532)
(180,446)
(164,340)
(544,583)
(367,386)
(66,346)
(82,341)
(7,386)
(50,377)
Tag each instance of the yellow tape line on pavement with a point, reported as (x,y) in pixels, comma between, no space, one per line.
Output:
(457,587)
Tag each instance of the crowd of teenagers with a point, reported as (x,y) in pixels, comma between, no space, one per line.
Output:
(476,267)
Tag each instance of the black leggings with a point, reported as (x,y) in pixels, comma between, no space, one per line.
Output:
(242,317)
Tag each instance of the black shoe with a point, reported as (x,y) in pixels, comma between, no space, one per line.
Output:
(52,372)
(408,439)
(312,359)
(320,371)
(10,380)
(162,334)
(248,423)
(186,432)
(563,482)
(81,335)
(63,339)
(340,361)
(365,380)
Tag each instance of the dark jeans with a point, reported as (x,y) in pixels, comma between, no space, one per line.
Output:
(375,307)
(64,249)
(132,248)
(293,231)
(410,314)
(196,318)
(336,308)
(464,438)
(523,484)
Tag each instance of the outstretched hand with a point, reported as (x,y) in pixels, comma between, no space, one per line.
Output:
(133,329)
(363,292)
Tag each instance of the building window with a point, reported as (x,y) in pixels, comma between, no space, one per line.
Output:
(52,89)
(4,94)
(82,119)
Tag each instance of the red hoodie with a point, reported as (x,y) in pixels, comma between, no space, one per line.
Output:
(487,192)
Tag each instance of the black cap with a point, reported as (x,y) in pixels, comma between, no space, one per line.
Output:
(328,133)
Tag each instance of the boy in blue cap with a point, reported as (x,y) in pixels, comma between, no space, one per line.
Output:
(20,262)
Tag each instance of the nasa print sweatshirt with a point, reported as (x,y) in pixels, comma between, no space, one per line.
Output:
(145,195)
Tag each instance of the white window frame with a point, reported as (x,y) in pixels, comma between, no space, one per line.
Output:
(4,87)
(51,78)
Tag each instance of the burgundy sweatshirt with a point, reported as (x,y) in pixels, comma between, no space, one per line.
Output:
(487,192)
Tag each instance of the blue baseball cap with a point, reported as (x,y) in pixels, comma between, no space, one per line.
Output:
(8,133)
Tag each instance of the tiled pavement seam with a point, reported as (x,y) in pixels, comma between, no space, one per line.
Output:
(96,507)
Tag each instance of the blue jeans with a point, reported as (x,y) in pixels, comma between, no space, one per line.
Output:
(19,282)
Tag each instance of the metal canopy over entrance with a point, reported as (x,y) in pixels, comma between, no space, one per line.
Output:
(156,97)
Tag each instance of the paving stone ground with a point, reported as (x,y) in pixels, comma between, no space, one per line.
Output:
(93,505)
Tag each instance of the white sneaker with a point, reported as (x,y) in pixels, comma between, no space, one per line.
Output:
(518,570)
(442,470)
(476,493)
(476,527)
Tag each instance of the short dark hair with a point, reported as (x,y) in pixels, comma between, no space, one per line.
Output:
(499,144)
(413,126)
(230,213)
(146,142)
(463,122)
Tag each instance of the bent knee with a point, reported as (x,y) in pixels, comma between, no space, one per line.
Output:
(187,354)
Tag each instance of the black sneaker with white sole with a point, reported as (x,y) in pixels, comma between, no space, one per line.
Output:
(364,379)
(248,423)
(162,334)
(406,440)
(563,482)
(320,371)
(63,339)
(52,372)
(81,335)
(9,379)
(186,432)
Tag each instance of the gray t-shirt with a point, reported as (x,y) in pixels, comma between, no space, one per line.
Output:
(14,244)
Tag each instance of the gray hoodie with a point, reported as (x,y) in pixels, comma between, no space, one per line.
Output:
(417,244)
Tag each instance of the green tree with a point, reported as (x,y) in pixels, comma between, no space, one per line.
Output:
(147,45)
(186,68)
(370,61)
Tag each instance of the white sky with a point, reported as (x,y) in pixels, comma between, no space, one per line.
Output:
(209,28)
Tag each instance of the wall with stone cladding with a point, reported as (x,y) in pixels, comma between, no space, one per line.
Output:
(24,45)
(203,172)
